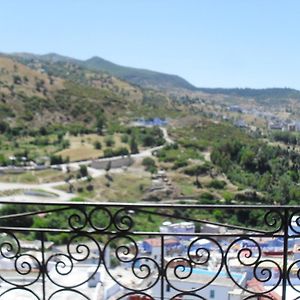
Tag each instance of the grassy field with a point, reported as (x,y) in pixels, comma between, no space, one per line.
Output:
(82,147)
(34,177)
(187,187)
(11,192)
(124,187)
(11,147)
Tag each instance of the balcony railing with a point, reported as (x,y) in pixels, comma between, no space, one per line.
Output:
(144,251)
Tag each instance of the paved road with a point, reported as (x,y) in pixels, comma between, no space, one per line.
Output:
(64,196)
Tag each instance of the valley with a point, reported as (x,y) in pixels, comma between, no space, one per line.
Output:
(80,131)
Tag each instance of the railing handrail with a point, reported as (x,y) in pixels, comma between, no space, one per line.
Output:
(149,205)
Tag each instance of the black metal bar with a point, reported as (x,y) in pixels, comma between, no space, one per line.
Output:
(144,233)
(43,265)
(162,266)
(285,253)
(129,205)
(33,213)
(200,221)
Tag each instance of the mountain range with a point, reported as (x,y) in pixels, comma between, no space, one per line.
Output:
(140,77)
(51,88)
(159,81)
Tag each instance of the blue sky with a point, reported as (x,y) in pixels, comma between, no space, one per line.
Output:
(211,43)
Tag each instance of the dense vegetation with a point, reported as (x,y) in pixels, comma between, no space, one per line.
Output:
(272,170)
(286,137)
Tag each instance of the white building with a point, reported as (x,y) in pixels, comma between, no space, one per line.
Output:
(294,230)
(182,227)
(223,287)
(212,228)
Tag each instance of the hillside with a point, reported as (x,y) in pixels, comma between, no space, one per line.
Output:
(267,96)
(36,97)
(46,92)
(140,77)
(49,89)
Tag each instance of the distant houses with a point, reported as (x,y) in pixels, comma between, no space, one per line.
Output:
(150,122)
(235,108)
(287,125)
(276,125)
(241,124)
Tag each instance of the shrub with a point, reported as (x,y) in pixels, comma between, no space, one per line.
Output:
(217,184)
(179,163)
(198,169)
(206,198)
(109,141)
(108,152)
(207,195)
(65,144)
(148,161)
(124,138)
(90,188)
(149,164)
(97,145)
(121,151)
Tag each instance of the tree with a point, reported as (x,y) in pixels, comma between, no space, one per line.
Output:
(108,166)
(17,79)
(12,209)
(3,126)
(100,122)
(83,171)
(90,186)
(3,160)
(43,130)
(56,160)
(149,140)
(97,145)
(247,159)
(133,146)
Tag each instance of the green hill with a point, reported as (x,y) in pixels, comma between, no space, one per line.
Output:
(140,77)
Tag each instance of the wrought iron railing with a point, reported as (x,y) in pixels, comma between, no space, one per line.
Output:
(148,251)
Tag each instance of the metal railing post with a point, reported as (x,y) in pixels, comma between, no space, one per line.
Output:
(43,265)
(162,287)
(285,252)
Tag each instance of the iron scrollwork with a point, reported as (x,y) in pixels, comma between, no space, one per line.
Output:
(98,235)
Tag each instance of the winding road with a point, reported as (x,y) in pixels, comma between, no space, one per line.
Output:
(60,195)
